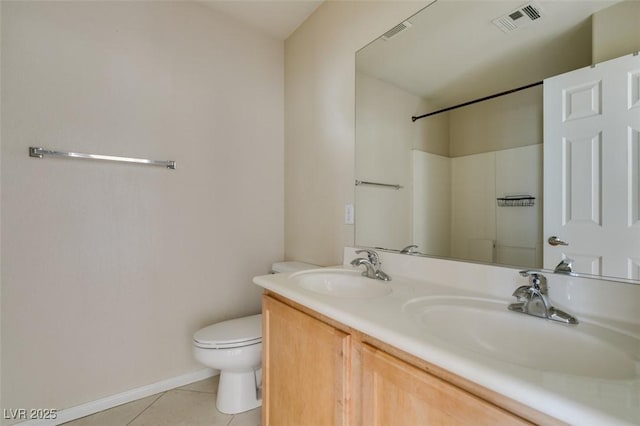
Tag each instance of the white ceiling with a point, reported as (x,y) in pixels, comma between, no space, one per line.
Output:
(453,53)
(279,19)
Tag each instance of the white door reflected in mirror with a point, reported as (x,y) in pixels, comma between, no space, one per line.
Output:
(591,157)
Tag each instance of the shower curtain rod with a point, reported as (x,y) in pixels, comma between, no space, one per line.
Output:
(486,98)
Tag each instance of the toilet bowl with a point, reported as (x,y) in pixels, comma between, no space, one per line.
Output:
(235,348)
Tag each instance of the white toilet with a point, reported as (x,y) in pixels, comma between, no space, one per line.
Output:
(235,348)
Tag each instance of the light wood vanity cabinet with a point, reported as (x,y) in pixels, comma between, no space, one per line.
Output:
(305,368)
(397,393)
(319,372)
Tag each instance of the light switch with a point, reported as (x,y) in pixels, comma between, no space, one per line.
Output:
(348,214)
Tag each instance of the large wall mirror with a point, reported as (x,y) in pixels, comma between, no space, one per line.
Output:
(466,181)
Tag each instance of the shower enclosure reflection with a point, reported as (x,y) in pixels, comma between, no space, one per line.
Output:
(454,166)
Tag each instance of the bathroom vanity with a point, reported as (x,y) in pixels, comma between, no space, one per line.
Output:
(440,347)
(312,362)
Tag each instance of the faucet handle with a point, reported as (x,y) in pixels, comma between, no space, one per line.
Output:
(536,280)
(521,293)
(371,255)
(411,249)
(564,267)
(370,271)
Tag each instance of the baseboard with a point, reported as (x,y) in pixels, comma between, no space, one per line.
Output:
(101,404)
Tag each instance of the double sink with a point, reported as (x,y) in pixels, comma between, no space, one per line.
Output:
(485,327)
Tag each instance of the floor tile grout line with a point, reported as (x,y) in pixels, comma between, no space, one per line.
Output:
(231,419)
(147,407)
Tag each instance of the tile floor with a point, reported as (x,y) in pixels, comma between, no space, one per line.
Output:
(190,405)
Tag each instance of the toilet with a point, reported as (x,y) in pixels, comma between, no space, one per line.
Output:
(235,348)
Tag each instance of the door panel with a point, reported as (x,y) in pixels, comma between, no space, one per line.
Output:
(591,158)
(581,202)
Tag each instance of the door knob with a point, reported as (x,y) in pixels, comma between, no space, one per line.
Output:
(555,241)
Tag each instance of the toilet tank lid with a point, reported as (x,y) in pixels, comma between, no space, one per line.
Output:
(247,330)
(292,266)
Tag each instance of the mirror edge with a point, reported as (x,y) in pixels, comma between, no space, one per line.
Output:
(515,268)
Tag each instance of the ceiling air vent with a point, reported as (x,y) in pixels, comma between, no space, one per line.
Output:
(396,30)
(519,18)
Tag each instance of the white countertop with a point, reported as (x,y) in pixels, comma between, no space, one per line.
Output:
(572,399)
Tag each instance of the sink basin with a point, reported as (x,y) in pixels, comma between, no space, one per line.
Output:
(485,326)
(340,283)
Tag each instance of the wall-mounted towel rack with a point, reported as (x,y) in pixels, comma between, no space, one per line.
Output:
(387,185)
(42,152)
(516,201)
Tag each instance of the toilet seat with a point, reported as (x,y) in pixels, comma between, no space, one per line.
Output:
(233,333)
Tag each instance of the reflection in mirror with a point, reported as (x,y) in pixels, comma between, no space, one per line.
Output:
(470,179)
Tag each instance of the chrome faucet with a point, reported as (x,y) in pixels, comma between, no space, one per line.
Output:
(370,270)
(533,300)
(372,264)
(564,267)
(372,256)
(409,249)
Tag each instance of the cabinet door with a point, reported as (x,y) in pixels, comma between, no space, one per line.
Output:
(305,369)
(396,393)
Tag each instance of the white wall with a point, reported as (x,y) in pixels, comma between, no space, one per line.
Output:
(473,201)
(108,269)
(455,212)
(519,229)
(483,231)
(319,124)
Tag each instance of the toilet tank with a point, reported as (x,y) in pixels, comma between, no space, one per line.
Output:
(291,266)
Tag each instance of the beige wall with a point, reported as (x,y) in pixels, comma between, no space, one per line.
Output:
(385,137)
(1,32)
(319,122)
(108,269)
(431,203)
(506,122)
(385,140)
(616,31)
